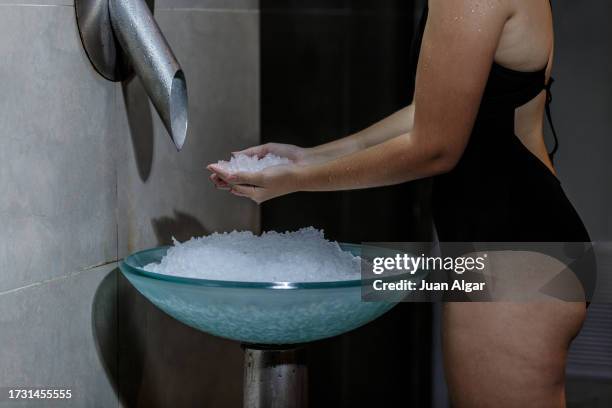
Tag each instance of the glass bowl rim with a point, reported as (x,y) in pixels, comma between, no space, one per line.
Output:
(128,265)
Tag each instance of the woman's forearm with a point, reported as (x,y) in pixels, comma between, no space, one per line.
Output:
(398,123)
(394,161)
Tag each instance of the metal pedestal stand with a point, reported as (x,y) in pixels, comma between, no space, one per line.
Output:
(275,377)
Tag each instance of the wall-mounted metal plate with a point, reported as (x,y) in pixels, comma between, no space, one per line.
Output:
(121,35)
(101,46)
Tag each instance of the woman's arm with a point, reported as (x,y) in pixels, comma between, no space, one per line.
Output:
(393,125)
(458,48)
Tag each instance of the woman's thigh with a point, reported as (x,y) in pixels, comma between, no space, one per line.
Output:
(509,354)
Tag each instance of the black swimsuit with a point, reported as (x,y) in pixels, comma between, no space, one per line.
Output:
(500,191)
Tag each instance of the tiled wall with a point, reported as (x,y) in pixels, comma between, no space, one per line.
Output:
(88,175)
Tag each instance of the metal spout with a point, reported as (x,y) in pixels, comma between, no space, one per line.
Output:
(154,62)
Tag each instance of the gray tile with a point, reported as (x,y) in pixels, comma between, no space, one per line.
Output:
(159,4)
(27,3)
(49,340)
(208,4)
(219,5)
(58,210)
(164,193)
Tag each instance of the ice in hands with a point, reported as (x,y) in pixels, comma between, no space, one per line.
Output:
(251,164)
(300,256)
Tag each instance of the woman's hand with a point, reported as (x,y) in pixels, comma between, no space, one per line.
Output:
(261,186)
(298,155)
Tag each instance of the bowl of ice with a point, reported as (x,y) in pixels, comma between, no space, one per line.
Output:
(277,288)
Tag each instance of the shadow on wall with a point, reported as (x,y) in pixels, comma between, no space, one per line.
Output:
(154,361)
(140,121)
(182,226)
(104,325)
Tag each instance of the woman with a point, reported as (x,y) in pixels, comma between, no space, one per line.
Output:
(475,126)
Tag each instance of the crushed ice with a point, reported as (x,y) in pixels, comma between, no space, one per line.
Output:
(251,164)
(301,256)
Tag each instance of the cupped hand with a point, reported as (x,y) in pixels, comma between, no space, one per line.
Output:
(260,186)
(219,182)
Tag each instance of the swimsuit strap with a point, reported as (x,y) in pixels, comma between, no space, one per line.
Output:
(547,86)
(551,154)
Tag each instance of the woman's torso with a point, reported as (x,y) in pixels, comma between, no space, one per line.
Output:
(504,188)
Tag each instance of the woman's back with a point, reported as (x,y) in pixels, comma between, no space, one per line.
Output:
(526,45)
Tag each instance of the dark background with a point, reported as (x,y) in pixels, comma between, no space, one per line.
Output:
(330,68)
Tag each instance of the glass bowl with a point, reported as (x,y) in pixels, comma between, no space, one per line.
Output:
(270,313)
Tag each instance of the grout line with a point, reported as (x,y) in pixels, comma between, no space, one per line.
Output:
(55,279)
(115,132)
(88,268)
